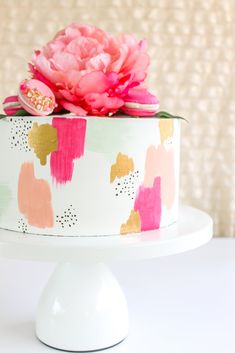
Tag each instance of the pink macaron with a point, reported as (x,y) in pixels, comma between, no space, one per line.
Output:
(139,102)
(36,97)
(11,105)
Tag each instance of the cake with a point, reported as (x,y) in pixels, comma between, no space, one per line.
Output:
(84,149)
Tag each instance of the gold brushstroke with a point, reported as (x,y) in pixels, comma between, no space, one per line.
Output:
(133,224)
(123,166)
(43,139)
(166,129)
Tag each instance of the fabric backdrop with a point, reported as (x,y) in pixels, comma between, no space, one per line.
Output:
(192,48)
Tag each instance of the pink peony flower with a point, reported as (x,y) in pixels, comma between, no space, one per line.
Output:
(89,70)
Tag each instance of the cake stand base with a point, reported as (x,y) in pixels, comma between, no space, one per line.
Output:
(82,308)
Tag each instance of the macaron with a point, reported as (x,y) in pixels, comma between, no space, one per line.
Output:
(11,105)
(36,97)
(139,102)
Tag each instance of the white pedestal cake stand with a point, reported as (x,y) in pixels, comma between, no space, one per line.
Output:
(83,307)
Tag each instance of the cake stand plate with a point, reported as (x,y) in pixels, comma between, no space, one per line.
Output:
(83,307)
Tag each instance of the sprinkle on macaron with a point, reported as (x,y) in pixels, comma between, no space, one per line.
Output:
(36,97)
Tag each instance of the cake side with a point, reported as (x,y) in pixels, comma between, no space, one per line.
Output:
(76,176)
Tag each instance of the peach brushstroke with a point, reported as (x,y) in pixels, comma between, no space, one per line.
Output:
(133,224)
(34,198)
(71,140)
(123,166)
(160,162)
(148,204)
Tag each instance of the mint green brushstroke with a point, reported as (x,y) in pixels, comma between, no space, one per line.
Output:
(5,197)
(102,135)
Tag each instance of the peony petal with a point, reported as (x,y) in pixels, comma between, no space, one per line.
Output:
(143,44)
(73,47)
(113,103)
(129,39)
(94,32)
(118,63)
(72,32)
(93,82)
(98,101)
(86,30)
(38,76)
(142,62)
(83,48)
(95,100)
(129,64)
(73,77)
(43,66)
(68,95)
(64,62)
(113,78)
(139,76)
(100,62)
(73,108)
(53,47)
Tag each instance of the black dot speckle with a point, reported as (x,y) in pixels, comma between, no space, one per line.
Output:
(68,218)
(22,226)
(127,185)
(19,134)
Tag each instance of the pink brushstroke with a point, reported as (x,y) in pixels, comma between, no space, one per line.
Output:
(71,140)
(148,203)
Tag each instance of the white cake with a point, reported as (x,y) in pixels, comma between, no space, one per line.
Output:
(91,176)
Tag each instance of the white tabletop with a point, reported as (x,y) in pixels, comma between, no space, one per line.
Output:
(178,304)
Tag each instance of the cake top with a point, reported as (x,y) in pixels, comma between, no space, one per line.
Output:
(84,71)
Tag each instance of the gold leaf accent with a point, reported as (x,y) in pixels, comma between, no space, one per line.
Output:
(166,129)
(133,224)
(123,166)
(43,139)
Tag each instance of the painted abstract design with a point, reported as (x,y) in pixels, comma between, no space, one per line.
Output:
(160,162)
(133,224)
(71,141)
(18,136)
(166,127)
(68,218)
(43,139)
(22,225)
(123,166)
(159,185)
(148,204)
(127,185)
(34,198)
(86,176)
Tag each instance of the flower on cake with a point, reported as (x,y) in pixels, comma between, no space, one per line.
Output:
(89,70)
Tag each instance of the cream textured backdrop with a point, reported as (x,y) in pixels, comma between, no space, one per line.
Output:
(192,46)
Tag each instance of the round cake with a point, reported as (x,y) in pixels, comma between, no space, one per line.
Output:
(88,176)
(84,149)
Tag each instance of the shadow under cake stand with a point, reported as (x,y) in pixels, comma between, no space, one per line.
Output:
(83,307)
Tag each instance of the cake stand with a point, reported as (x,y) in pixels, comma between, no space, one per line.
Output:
(83,307)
